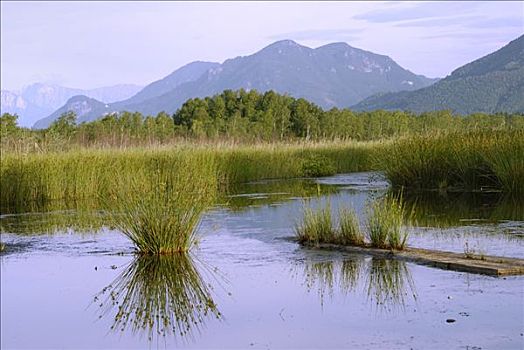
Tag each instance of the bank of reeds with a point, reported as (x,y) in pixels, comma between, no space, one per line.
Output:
(473,160)
(93,173)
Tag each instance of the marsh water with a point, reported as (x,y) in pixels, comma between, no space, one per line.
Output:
(70,281)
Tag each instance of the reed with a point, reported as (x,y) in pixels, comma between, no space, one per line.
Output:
(316,226)
(386,218)
(471,161)
(349,232)
(160,210)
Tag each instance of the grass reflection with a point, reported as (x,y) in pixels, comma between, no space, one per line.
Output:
(386,283)
(159,296)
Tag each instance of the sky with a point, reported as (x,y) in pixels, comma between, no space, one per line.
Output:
(94,44)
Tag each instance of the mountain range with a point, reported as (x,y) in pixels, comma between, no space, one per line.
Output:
(493,83)
(39,100)
(333,75)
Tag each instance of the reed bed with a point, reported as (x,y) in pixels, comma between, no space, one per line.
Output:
(79,174)
(473,160)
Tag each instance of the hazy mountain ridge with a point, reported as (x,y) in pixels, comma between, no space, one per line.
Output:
(333,75)
(493,83)
(39,100)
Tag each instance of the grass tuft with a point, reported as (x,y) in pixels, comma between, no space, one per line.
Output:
(385,223)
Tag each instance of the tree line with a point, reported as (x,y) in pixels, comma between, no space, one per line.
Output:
(245,116)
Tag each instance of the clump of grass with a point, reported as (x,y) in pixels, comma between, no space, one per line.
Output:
(316,226)
(2,247)
(160,214)
(349,231)
(385,223)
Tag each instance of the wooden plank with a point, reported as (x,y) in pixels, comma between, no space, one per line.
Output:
(485,264)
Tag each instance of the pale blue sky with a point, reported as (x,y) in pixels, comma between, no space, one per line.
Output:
(93,44)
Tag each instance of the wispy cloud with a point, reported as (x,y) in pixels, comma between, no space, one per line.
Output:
(409,11)
(439,22)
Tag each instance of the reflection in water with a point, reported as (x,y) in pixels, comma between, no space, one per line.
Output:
(159,296)
(435,209)
(387,282)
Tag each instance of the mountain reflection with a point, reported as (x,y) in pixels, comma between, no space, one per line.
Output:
(159,296)
(387,283)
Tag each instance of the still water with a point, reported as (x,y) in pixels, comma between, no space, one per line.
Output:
(68,281)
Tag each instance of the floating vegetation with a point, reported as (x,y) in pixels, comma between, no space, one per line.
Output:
(159,296)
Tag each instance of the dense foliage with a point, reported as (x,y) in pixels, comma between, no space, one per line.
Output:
(243,116)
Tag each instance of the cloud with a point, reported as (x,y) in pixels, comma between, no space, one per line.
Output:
(348,34)
(417,11)
(438,22)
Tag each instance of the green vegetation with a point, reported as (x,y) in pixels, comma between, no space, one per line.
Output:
(156,175)
(349,228)
(475,160)
(159,212)
(385,223)
(317,227)
(386,219)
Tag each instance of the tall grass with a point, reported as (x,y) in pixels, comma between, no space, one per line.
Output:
(386,218)
(160,213)
(386,221)
(38,178)
(317,226)
(473,160)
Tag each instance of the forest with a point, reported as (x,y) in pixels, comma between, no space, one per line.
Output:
(244,117)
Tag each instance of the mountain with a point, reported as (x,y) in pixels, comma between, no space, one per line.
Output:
(82,105)
(333,75)
(39,100)
(187,73)
(493,83)
(13,103)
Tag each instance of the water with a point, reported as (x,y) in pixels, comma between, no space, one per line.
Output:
(249,286)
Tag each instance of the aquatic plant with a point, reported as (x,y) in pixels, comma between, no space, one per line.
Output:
(159,296)
(386,217)
(316,226)
(160,213)
(466,160)
(349,231)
